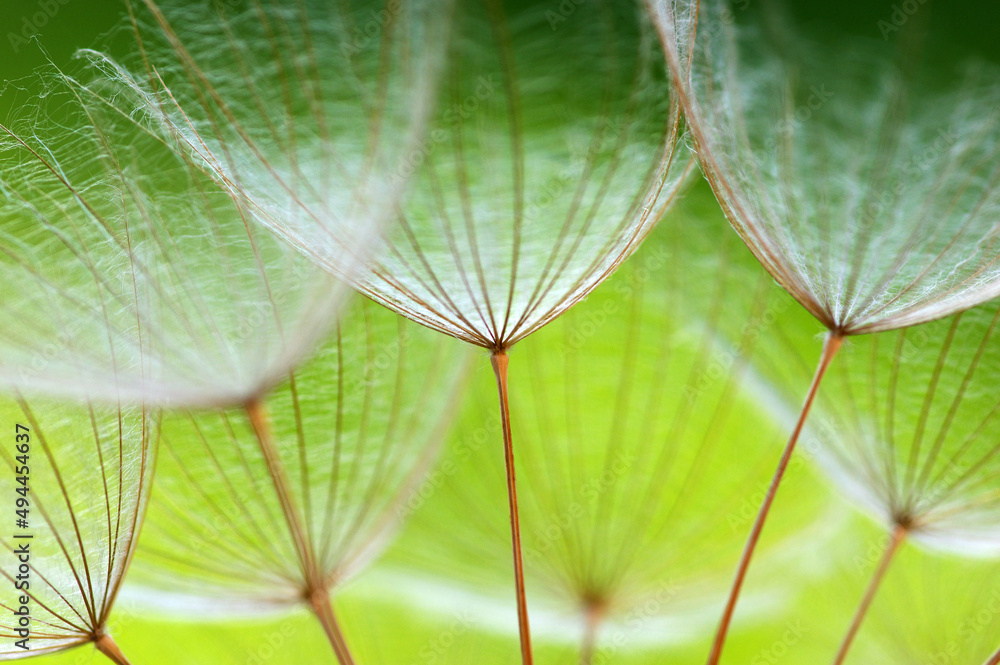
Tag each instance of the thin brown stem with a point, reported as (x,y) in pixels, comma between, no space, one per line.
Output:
(898,536)
(830,347)
(499,361)
(106,645)
(994,659)
(279,479)
(315,585)
(594,613)
(319,602)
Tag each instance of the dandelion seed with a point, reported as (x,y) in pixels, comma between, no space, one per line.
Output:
(89,470)
(629,511)
(307,112)
(551,156)
(869,197)
(344,443)
(302,132)
(907,428)
(129,275)
(135,277)
(931,608)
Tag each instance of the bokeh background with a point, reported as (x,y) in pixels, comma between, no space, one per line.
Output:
(934,609)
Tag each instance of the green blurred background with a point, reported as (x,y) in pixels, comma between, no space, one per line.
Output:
(429,620)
